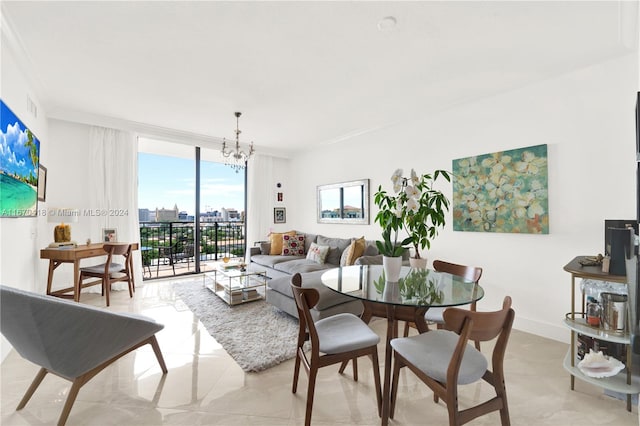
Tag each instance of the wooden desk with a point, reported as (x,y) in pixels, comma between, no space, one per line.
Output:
(58,256)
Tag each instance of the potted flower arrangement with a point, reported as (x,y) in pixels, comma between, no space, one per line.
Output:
(415,208)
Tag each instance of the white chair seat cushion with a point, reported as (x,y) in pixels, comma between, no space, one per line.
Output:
(434,315)
(431,353)
(98,269)
(344,332)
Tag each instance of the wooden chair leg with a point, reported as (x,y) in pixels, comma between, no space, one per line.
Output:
(394,385)
(34,385)
(406,329)
(106,288)
(71,398)
(313,372)
(343,366)
(355,369)
(156,349)
(296,372)
(376,379)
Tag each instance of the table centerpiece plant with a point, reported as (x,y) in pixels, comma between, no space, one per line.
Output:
(415,207)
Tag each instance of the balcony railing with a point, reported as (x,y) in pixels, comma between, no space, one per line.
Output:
(217,240)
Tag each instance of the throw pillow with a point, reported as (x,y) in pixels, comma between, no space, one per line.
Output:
(265,248)
(355,250)
(337,246)
(293,245)
(276,241)
(317,253)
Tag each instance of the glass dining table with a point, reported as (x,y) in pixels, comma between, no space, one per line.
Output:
(406,300)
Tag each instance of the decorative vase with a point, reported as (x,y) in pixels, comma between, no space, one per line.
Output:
(420,263)
(391,267)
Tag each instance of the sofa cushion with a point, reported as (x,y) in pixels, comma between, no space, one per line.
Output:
(301,266)
(370,248)
(308,240)
(270,261)
(275,238)
(336,247)
(265,248)
(317,253)
(293,245)
(328,297)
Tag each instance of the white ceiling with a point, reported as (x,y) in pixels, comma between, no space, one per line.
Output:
(302,73)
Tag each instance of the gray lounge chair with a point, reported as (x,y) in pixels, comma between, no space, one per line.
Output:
(70,340)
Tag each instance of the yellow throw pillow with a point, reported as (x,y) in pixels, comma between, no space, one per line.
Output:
(356,249)
(276,241)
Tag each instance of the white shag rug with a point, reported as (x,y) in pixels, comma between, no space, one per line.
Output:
(256,334)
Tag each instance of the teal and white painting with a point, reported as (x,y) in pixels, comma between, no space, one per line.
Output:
(19,160)
(505,191)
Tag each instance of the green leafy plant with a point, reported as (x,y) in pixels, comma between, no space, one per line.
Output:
(417,285)
(416,208)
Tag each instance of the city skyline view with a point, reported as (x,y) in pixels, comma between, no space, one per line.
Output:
(164,182)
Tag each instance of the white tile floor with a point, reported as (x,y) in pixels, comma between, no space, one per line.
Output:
(204,386)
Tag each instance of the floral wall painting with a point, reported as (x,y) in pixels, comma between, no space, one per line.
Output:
(504,191)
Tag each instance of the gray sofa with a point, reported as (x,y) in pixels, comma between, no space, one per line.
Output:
(280,268)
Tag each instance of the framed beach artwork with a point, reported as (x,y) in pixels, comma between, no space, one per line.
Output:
(504,191)
(19,171)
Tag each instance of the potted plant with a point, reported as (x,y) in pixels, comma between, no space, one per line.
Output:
(416,208)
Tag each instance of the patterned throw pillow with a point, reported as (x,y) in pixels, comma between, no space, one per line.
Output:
(275,238)
(293,245)
(317,253)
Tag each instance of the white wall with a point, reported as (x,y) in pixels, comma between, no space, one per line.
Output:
(585,117)
(20,238)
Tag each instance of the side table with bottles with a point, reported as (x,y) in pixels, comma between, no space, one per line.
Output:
(583,321)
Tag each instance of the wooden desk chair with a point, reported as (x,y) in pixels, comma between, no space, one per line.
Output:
(110,272)
(443,359)
(470,273)
(339,338)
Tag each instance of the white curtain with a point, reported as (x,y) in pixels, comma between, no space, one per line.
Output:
(114,187)
(259,197)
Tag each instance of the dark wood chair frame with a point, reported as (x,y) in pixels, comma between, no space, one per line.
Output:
(469,325)
(306,298)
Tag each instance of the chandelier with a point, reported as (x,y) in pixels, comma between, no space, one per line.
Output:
(236,159)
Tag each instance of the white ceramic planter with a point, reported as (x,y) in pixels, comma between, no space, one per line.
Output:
(392,266)
(418,263)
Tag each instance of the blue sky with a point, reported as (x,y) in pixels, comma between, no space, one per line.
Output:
(14,154)
(166,181)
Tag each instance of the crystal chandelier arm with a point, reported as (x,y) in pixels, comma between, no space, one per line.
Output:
(239,157)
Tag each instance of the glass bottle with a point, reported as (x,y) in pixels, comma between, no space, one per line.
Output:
(594,311)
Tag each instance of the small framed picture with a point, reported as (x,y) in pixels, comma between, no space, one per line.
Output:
(42,183)
(109,235)
(279,215)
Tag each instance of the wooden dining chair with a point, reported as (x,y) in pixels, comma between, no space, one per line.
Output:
(469,273)
(443,359)
(338,338)
(110,272)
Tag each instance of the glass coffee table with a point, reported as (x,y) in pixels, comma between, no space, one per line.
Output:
(235,284)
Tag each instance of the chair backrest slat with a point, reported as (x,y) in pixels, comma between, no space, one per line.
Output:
(486,325)
(471,273)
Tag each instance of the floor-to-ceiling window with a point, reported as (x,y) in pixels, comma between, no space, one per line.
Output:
(191,208)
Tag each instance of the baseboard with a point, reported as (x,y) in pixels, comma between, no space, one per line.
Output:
(555,331)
